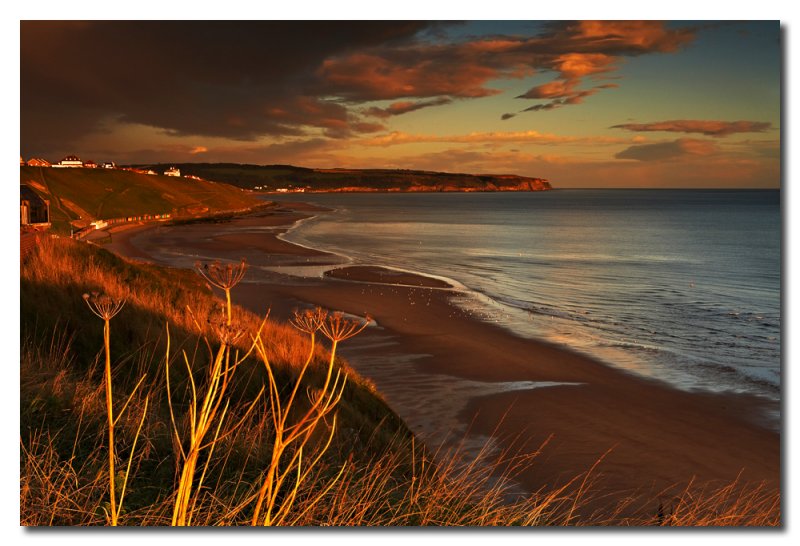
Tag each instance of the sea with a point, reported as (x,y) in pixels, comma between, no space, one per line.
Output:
(679,285)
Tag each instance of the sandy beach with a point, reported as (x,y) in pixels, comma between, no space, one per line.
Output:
(444,371)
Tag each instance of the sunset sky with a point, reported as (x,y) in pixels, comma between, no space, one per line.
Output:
(583,104)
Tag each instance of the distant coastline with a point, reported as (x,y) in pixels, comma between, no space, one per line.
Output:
(292,179)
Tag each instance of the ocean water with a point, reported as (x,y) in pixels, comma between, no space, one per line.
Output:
(679,285)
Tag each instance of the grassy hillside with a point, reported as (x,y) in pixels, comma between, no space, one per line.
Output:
(272,177)
(78,196)
(61,396)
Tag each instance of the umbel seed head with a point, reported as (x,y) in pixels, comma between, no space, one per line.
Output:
(338,328)
(103,305)
(223,276)
(309,321)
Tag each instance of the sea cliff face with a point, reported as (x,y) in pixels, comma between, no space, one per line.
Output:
(417,181)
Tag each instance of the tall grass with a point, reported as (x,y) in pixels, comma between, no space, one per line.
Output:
(243,421)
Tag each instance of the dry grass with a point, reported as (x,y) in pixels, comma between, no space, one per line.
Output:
(243,421)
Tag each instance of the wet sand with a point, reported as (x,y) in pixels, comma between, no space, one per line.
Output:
(446,372)
(382,275)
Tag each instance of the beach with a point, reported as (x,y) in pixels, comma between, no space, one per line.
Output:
(450,375)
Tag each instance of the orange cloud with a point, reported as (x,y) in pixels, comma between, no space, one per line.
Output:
(364,76)
(562,94)
(630,36)
(573,51)
(551,90)
(198,150)
(578,65)
(706,127)
(534,137)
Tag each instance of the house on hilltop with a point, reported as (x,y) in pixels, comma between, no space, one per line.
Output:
(70,161)
(172,171)
(38,162)
(33,210)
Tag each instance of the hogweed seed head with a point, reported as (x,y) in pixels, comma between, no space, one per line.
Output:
(338,328)
(103,305)
(223,276)
(226,333)
(309,321)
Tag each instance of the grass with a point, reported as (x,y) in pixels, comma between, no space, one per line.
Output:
(83,195)
(221,417)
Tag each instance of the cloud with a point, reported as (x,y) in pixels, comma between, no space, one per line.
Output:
(627,37)
(404,107)
(705,127)
(233,79)
(593,48)
(246,80)
(365,77)
(561,94)
(577,65)
(661,151)
(550,90)
(573,51)
(396,138)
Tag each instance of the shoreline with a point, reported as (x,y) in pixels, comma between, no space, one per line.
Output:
(442,370)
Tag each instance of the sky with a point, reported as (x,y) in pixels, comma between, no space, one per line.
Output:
(583,104)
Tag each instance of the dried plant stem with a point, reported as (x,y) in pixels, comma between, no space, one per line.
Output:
(110,411)
(291,441)
(201,419)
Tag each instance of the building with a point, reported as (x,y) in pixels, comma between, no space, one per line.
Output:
(70,161)
(89,164)
(33,210)
(108,165)
(172,171)
(38,162)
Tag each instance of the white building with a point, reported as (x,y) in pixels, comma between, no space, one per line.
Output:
(72,161)
(172,171)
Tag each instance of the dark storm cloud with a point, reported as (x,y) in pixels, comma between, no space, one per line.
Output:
(230,79)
